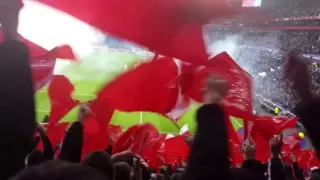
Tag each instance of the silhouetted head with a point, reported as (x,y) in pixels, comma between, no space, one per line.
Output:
(101,161)
(61,170)
(35,158)
(176,176)
(240,174)
(121,171)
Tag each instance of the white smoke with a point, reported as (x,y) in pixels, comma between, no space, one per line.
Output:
(229,44)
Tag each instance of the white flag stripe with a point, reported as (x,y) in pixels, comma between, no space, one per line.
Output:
(184,129)
(169,136)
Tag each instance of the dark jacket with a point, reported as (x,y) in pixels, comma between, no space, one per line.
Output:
(256,168)
(17,110)
(209,152)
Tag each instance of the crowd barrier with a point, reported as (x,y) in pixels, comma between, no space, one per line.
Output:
(273,28)
(263,20)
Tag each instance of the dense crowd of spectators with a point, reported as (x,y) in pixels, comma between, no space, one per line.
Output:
(296,8)
(261,54)
(307,41)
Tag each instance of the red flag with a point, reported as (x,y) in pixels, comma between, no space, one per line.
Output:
(96,127)
(239,97)
(238,101)
(137,138)
(174,149)
(291,143)
(114,132)
(60,92)
(303,158)
(145,136)
(91,126)
(151,87)
(97,141)
(182,106)
(154,153)
(262,148)
(185,80)
(264,129)
(125,140)
(268,126)
(171,28)
(101,112)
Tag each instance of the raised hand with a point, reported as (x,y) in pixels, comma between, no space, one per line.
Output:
(216,88)
(296,71)
(248,149)
(84,111)
(275,146)
(188,140)
(122,156)
(293,158)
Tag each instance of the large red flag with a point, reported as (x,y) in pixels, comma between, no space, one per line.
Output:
(264,129)
(136,139)
(101,111)
(238,101)
(239,97)
(175,149)
(114,132)
(171,28)
(152,86)
(125,140)
(268,126)
(291,143)
(60,92)
(185,80)
(154,153)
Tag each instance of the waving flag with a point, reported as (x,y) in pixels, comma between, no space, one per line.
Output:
(239,97)
(264,128)
(152,86)
(238,101)
(60,92)
(136,139)
(172,28)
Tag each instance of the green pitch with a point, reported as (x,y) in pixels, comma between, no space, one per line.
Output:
(99,68)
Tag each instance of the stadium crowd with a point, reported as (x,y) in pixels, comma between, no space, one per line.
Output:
(208,157)
(261,54)
(296,9)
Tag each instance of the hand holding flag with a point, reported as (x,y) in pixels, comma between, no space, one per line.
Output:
(276,145)
(216,88)
(83,112)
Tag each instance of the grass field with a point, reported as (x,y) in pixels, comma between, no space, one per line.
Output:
(98,68)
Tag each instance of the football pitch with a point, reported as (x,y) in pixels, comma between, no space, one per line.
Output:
(99,68)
